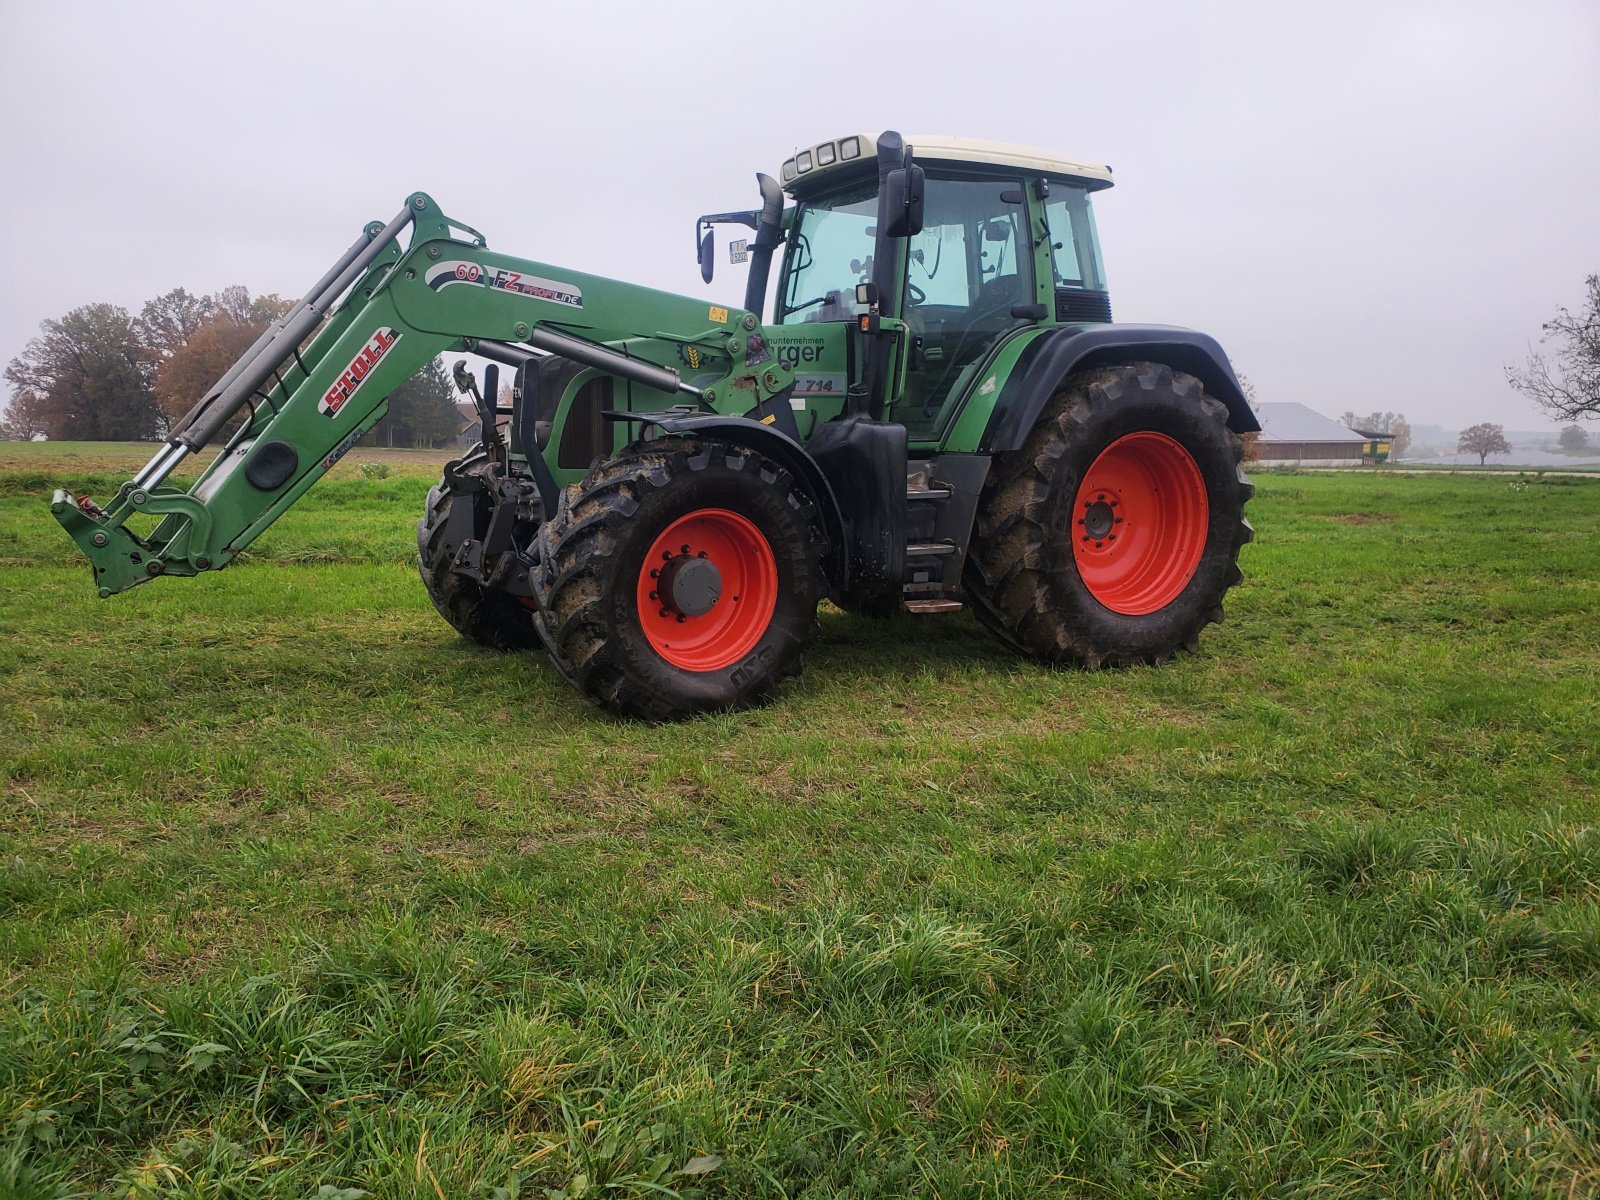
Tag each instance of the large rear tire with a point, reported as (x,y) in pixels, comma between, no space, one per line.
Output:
(1112,535)
(483,615)
(681,577)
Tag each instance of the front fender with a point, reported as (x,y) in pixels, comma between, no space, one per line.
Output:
(782,449)
(1057,353)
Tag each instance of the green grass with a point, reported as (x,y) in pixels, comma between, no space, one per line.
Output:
(299,891)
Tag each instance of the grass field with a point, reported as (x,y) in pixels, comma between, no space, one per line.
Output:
(299,892)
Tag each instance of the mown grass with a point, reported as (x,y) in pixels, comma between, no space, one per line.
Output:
(298,891)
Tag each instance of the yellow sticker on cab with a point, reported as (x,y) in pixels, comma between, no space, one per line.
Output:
(719,316)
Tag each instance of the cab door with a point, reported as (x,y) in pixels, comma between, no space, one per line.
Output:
(971,265)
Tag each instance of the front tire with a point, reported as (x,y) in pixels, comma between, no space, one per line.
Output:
(1112,535)
(681,577)
(483,615)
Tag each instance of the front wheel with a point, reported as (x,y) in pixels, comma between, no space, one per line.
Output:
(483,615)
(681,577)
(1112,535)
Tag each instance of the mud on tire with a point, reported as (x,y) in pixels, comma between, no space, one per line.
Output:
(595,579)
(1031,588)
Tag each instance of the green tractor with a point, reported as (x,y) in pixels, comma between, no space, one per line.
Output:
(938,413)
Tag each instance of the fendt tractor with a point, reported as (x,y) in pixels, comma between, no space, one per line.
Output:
(938,413)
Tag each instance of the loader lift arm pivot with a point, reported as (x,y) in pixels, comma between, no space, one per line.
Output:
(309,402)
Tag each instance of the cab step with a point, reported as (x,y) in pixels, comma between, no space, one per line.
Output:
(927,607)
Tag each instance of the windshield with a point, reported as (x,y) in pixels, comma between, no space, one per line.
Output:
(829,253)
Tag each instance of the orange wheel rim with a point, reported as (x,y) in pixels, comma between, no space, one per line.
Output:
(707,590)
(1140,519)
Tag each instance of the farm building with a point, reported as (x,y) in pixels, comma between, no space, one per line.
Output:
(1292,435)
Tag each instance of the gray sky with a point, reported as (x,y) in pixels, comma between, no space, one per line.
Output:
(1371,205)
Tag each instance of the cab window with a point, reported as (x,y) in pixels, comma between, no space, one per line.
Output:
(830,252)
(1075,248)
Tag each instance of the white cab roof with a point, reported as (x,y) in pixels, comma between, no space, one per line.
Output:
(856,149)
(938,148)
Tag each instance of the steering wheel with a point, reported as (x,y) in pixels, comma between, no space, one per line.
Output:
(915,294)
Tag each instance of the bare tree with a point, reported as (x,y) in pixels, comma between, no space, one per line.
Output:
(1483,440)
(1568,387)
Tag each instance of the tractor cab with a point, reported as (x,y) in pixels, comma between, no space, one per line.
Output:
(1006,241)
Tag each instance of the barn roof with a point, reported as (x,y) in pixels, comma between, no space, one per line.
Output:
(1291,422)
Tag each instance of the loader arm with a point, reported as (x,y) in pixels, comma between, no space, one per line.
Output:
(373,320)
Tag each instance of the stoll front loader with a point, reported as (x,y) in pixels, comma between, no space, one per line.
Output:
(939,412)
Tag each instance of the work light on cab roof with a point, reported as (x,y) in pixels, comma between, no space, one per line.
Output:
(931,410)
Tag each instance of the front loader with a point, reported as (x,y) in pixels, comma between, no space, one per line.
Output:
(937,412)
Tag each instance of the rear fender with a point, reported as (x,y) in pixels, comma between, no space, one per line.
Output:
(1058,353)
(782,449)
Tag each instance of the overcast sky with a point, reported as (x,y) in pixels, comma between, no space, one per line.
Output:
(1371,205)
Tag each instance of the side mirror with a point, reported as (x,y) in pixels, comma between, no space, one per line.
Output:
(462,377)
(707,255)
(902,201)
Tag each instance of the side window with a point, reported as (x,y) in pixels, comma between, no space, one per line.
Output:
(1076,249)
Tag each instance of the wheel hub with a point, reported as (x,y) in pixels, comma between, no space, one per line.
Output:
(1099,515)
(689,584)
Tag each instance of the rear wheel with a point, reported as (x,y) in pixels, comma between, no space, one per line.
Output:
(489,617)
(1113,534)
(681,577)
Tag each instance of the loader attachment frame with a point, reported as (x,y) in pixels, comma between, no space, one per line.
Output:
(310,401)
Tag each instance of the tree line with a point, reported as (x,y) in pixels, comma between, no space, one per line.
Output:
(99,373)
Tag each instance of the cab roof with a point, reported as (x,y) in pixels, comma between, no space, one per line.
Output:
(830,160)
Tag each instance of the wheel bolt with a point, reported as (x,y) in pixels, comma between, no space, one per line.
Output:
(654,574)
(681,618)
(1119,520)
(666,555)
(665,613)
(702,554)
(1097,545)
(686,548)
(653,596)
